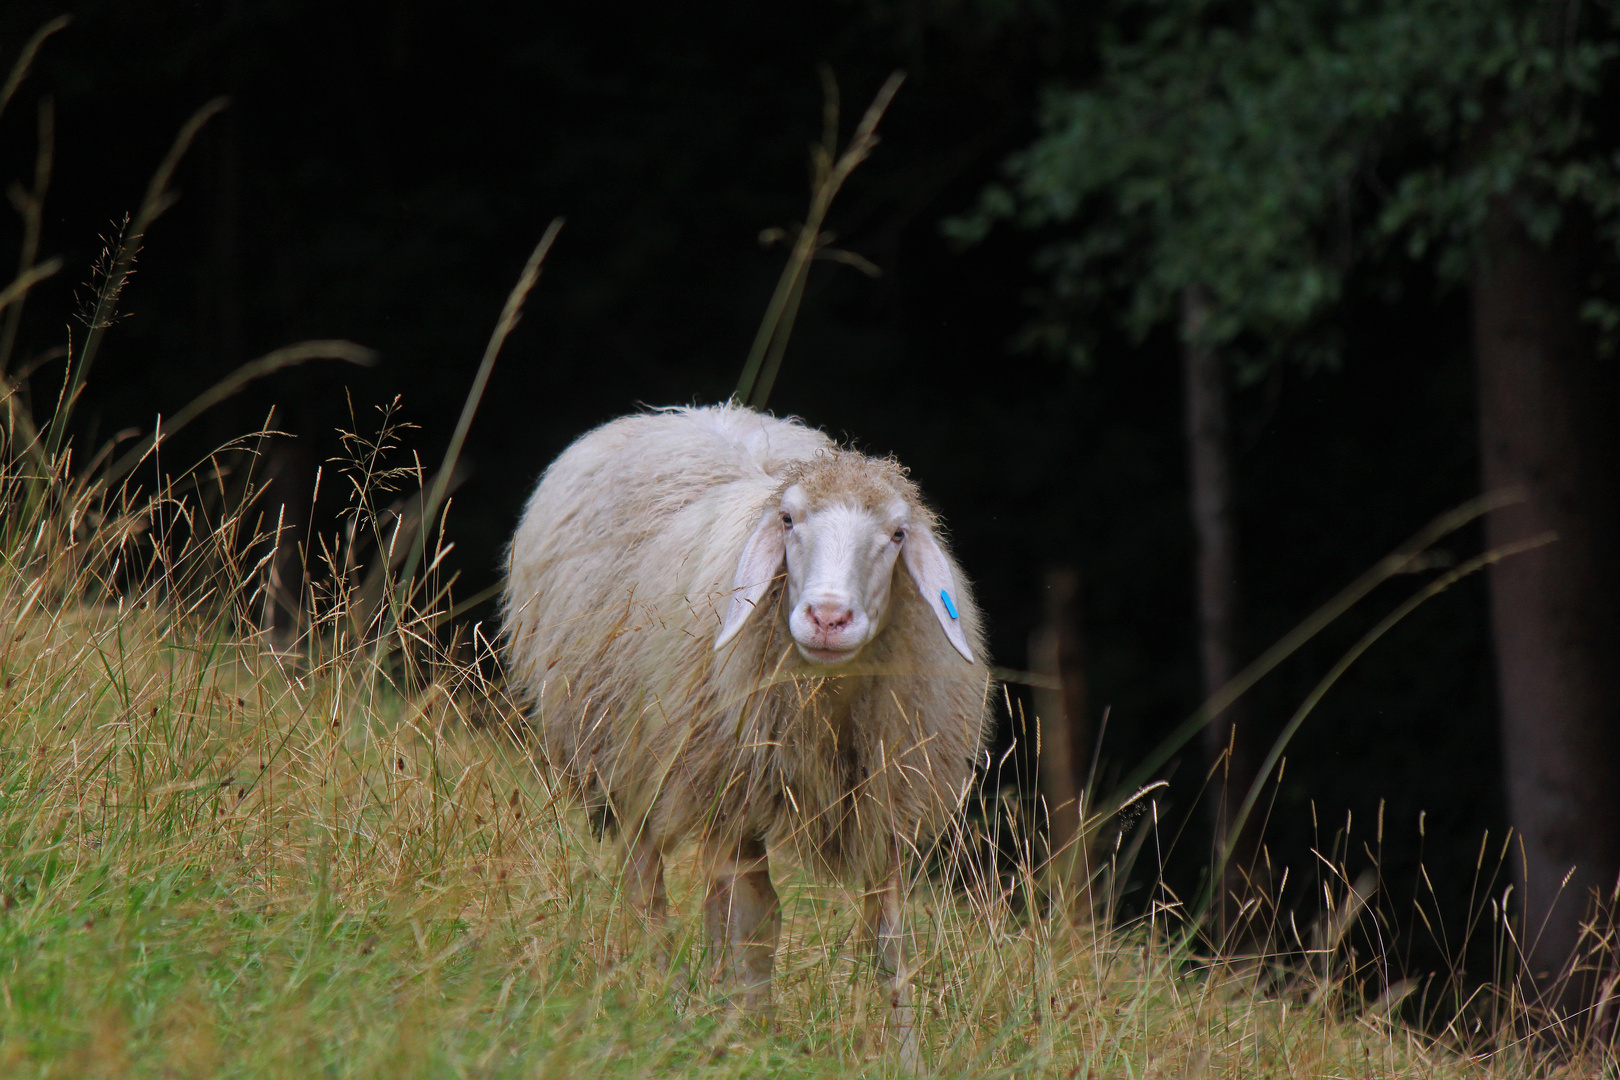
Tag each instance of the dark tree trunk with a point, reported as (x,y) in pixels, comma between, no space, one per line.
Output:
(1057,651)
(1548,420)
(1214,518)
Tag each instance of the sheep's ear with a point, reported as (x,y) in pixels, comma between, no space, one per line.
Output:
(761,559)
(932,573)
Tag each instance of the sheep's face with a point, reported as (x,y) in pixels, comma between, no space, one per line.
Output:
(840,563)
(837,530)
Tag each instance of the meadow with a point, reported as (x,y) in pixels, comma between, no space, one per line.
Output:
(225,851)
(222,859)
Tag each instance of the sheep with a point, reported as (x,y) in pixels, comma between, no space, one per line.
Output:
(685,686)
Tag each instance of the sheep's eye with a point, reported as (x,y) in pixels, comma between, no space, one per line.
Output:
(899,535)
(787,521)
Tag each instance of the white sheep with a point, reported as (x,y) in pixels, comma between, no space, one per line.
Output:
(685,685)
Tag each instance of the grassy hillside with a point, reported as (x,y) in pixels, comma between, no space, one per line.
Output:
(223,860)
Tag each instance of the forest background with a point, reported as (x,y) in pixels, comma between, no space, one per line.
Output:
(1071,205)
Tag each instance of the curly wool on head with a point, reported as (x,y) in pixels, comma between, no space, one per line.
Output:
(621,578)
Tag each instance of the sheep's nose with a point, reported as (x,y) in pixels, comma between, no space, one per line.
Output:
(828,616)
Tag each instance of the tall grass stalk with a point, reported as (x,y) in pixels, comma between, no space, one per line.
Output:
(1383,626)
(510,313)
(116,269)
(829,169)
(1411,556)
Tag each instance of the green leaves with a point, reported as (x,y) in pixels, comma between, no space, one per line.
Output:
(1261,151)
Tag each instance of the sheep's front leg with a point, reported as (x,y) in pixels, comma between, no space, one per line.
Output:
(743,919)
(886,928)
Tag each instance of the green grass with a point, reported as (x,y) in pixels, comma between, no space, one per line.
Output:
(218,863)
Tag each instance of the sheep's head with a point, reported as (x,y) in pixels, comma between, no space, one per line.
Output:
(838,526)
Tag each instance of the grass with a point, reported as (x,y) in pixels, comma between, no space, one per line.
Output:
(223,857)
(217,866)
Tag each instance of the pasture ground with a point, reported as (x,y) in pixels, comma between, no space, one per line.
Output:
(216,862)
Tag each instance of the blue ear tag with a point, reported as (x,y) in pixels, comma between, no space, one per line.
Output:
(950,607)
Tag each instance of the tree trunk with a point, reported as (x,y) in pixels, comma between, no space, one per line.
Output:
(1214,518)
(1548,417)
(1057,651)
